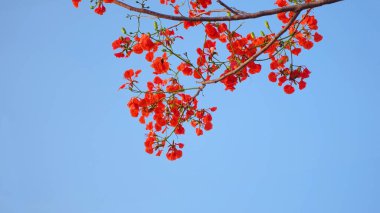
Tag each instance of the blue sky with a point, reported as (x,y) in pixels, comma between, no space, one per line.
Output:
(68,143)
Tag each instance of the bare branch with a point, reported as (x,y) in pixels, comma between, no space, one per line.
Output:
(200,89)
(227,7)
(299,7)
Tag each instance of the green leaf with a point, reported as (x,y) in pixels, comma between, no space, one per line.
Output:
(253,35)
(267,25)
(123,30)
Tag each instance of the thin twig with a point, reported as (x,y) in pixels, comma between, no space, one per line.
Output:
(227,7)
(198,92)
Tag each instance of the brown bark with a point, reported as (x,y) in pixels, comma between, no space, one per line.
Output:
(299,7)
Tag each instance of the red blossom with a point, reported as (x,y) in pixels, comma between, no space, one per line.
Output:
(76,3)
(272,77)
(317,37)
(100,9)
(281,3)
(289,89)
(211,31)
(160,64)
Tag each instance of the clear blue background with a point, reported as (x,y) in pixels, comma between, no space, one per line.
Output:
(68,143)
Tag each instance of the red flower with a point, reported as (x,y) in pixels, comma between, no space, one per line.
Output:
(281,3)
(288,89)
(173,153)
(122,86)
(283,18)
(208,126)
(76,3)
(166,1)
(149,56)
(199,131)
(138,49)
(116,44)
(188,24)
(159,153)
(223,38)
(146,42)
(230,82)
(100,9)
(158,80)
(274,64)
(254,68)
(302,85)
(142,120)
(306,44)
(204,3)
(133,105)
(149,150)
(128,74)
(222,27)
(119,55)
(179,130)
(296,51)
(281,80)
(306,73)
(176,9)
(272,77)
(211,31)
(185,69)
(318,37)
(160,65)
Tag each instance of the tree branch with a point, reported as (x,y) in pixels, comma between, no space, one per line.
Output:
(227,7)
(252,58)
(299,7)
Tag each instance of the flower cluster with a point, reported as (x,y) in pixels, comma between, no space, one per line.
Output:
(164,109)
(165,106)
(99,9)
